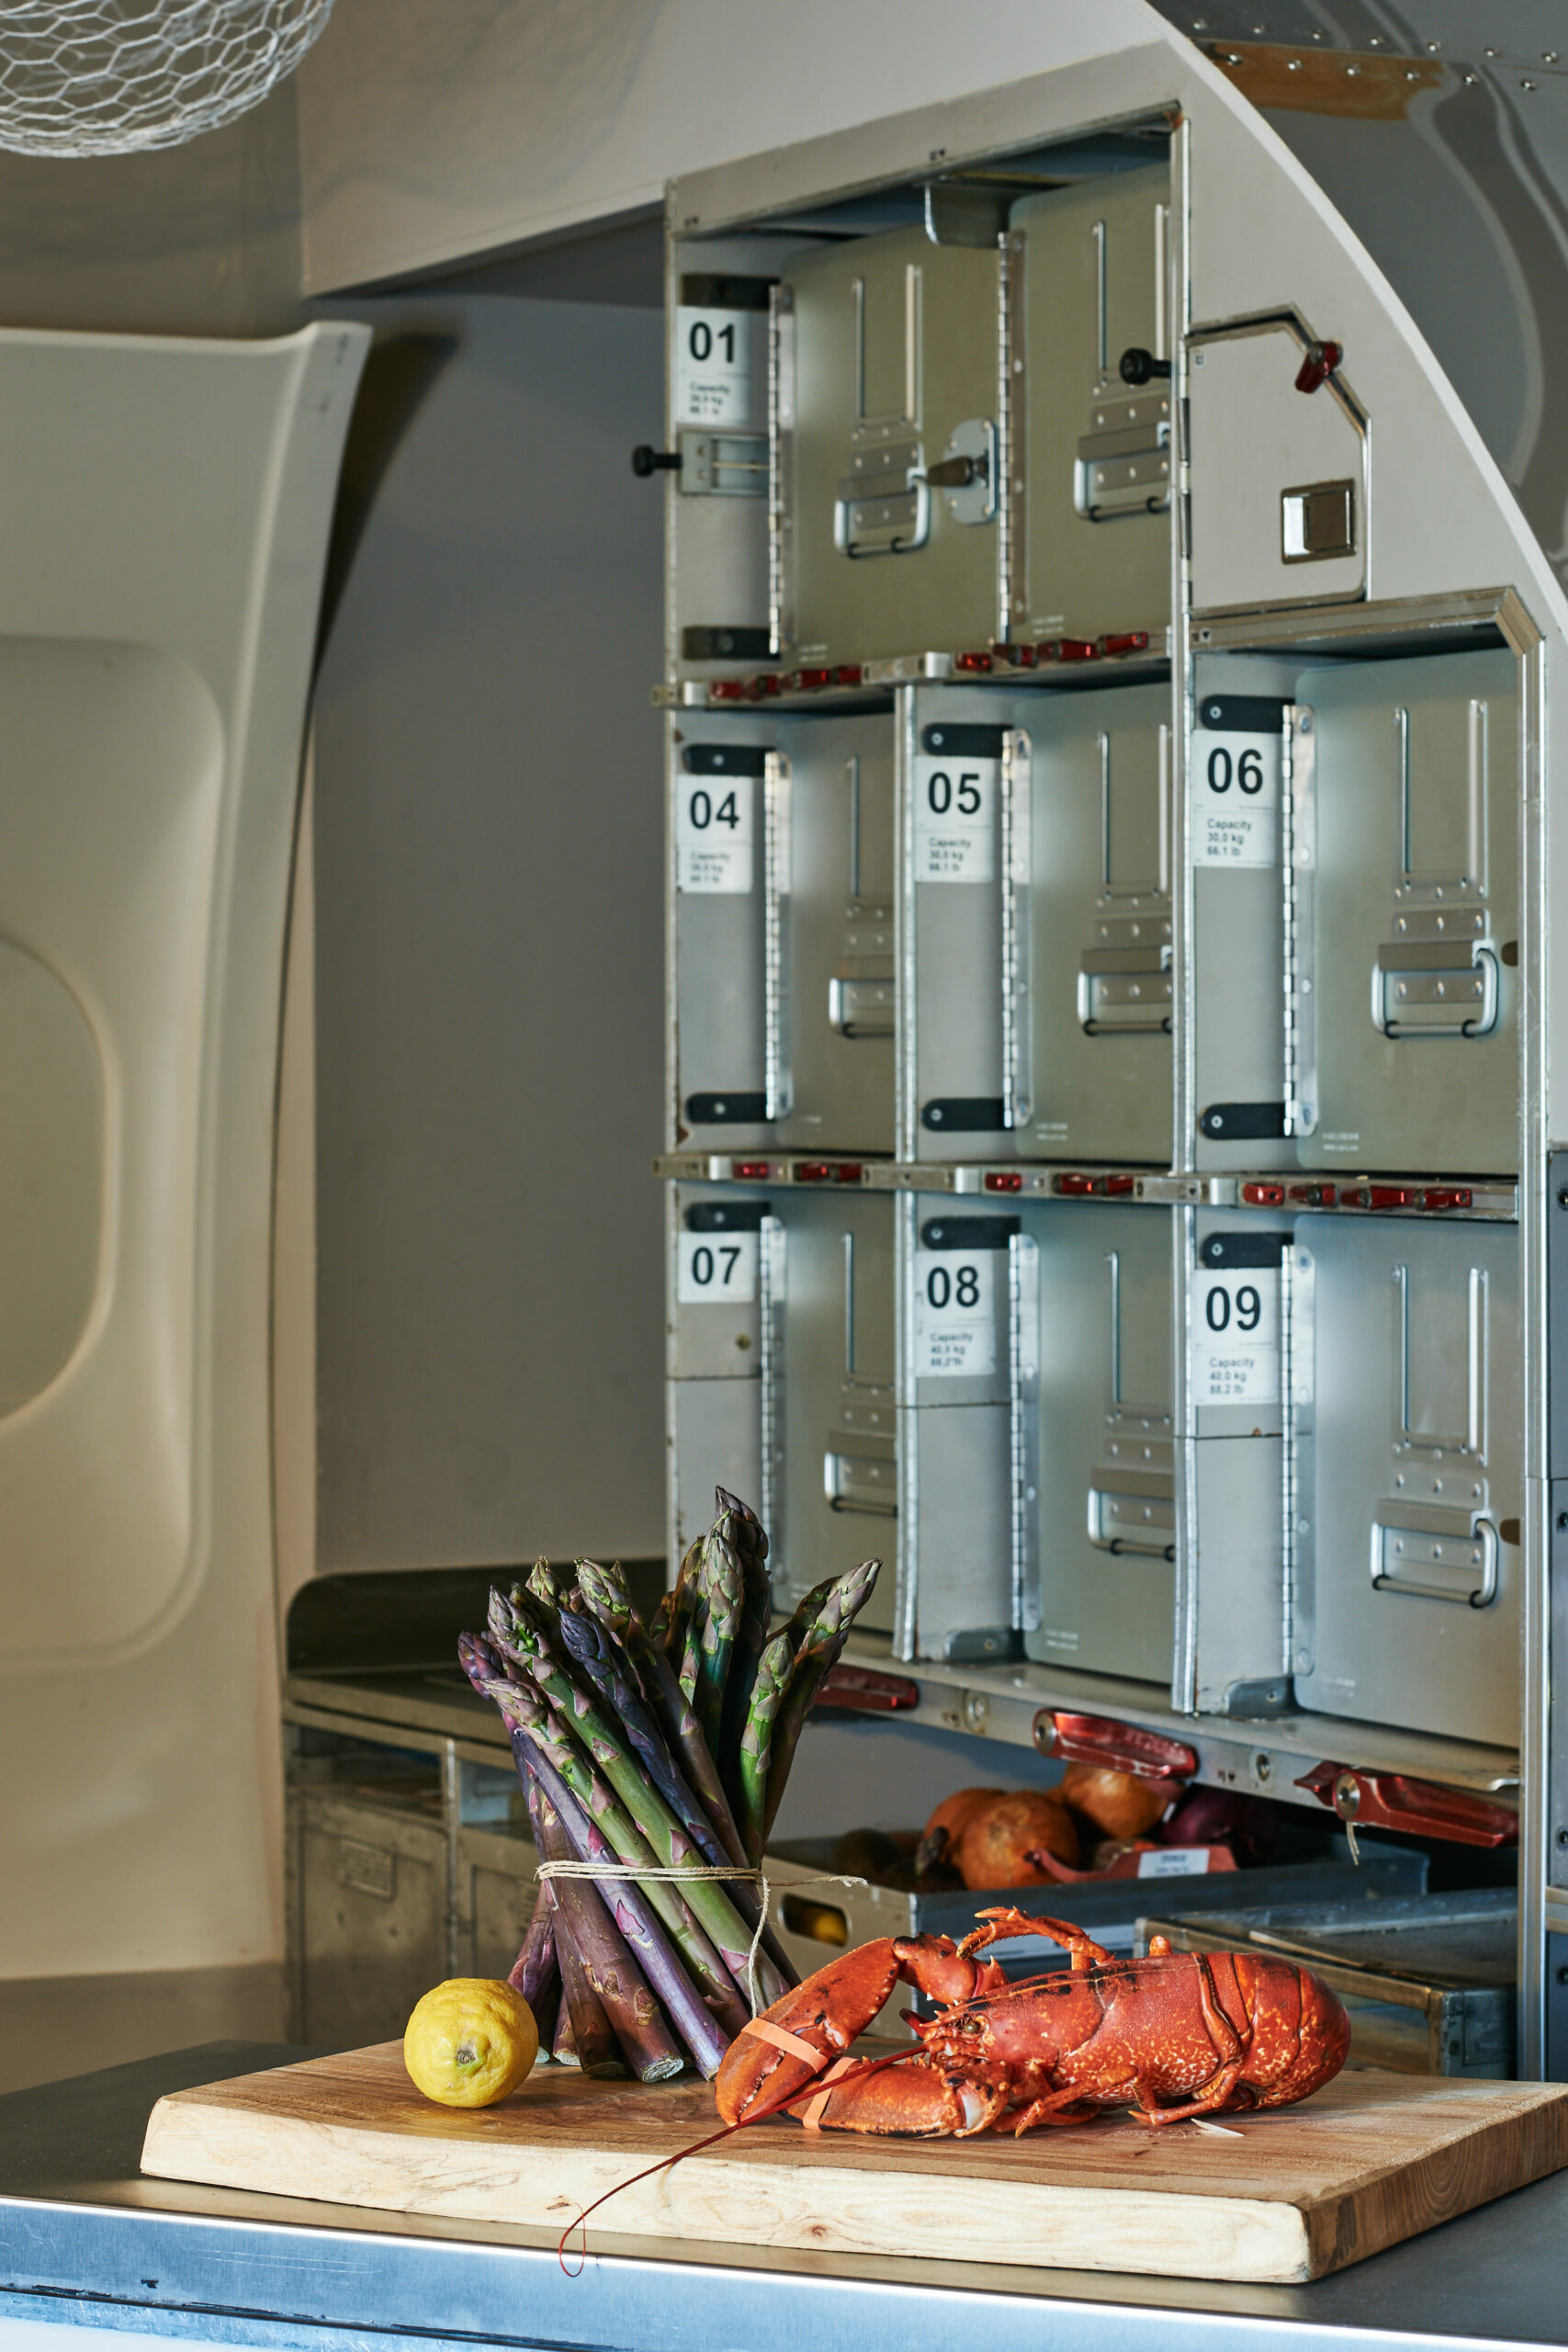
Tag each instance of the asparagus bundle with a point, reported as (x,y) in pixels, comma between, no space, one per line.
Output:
(658,1747)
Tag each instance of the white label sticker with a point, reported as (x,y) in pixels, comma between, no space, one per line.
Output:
(1236,1336)
(714,350)
(955,1313)
(715,816)
(715,1269)
(1174,1862)
(956,806)
(1236,798)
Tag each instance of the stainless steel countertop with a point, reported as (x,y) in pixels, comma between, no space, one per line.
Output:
(84,2237)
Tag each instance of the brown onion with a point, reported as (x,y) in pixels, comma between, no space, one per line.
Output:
(994,1846)
(1118,1803)
(939,1840)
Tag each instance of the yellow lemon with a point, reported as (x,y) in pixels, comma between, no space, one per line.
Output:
(471,2041)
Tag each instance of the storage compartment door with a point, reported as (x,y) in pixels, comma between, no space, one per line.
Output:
(1095,1416)
(1094,926)
(1087,270)
(831,1394)
(1414,799)
(835,1024)
(889,422)
(958,1561)
(1419,1478)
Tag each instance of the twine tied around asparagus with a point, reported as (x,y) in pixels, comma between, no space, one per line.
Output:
(756,1878)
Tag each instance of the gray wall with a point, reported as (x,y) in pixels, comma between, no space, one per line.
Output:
(488,1042)
(195,240)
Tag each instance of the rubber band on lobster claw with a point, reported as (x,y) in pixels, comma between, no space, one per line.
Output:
(839,2069)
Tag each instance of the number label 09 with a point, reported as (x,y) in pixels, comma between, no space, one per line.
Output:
(1236,1336)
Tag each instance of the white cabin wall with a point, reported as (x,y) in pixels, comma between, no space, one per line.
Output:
(428,135)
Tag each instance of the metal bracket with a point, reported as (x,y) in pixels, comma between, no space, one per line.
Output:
(1018,874)
(1298,795)
(777,1086)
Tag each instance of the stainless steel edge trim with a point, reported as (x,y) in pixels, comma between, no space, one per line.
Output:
(906,1598)
(1535,1614)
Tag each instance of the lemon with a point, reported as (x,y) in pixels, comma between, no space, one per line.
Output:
(471,2041)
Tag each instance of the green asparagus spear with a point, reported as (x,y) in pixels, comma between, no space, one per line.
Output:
(820,1645)
(723,1599)
(757,1739)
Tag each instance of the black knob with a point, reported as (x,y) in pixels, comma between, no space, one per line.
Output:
(1138,365)
(649,460)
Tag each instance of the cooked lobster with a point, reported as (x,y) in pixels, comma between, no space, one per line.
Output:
(1176,2035)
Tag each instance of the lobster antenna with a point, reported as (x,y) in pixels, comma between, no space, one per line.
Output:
(851,2075)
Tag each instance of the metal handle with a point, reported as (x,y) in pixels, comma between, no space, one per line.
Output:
(1457,1564)
(1435,992)
(1018,1081)
(861,1482)
(777,1088)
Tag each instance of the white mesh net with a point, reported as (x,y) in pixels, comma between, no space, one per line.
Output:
(107,77)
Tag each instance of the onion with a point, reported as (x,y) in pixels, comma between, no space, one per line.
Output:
(939,1841)
(1118,1803)
(1219,1817)
(994,1846)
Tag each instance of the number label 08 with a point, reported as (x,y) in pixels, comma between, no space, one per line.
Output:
(955,1313)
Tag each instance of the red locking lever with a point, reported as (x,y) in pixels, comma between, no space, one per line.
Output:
(1421,1808)
(1320,361)
(863,1688)
(1125,1747)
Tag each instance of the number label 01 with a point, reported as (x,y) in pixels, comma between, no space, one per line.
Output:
(714,351)
(715,1269)
(955,1313)
(715,816)
(956,803)
(1236,798)
(1236,1336)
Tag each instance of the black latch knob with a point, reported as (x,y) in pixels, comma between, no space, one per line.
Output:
(1141,367)
(649,460)
(958,473)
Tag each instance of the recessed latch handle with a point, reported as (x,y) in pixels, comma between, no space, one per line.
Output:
(1141,367)
(647,460)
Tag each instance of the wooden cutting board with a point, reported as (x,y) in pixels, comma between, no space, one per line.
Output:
(1289,2195)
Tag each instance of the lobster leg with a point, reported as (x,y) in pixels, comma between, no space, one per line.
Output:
(1057,2107)
(1213,2099)
(1008,1922)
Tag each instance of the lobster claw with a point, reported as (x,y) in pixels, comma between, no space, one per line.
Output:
(778,2054)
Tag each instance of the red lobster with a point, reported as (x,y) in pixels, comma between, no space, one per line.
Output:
(1178,2034)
